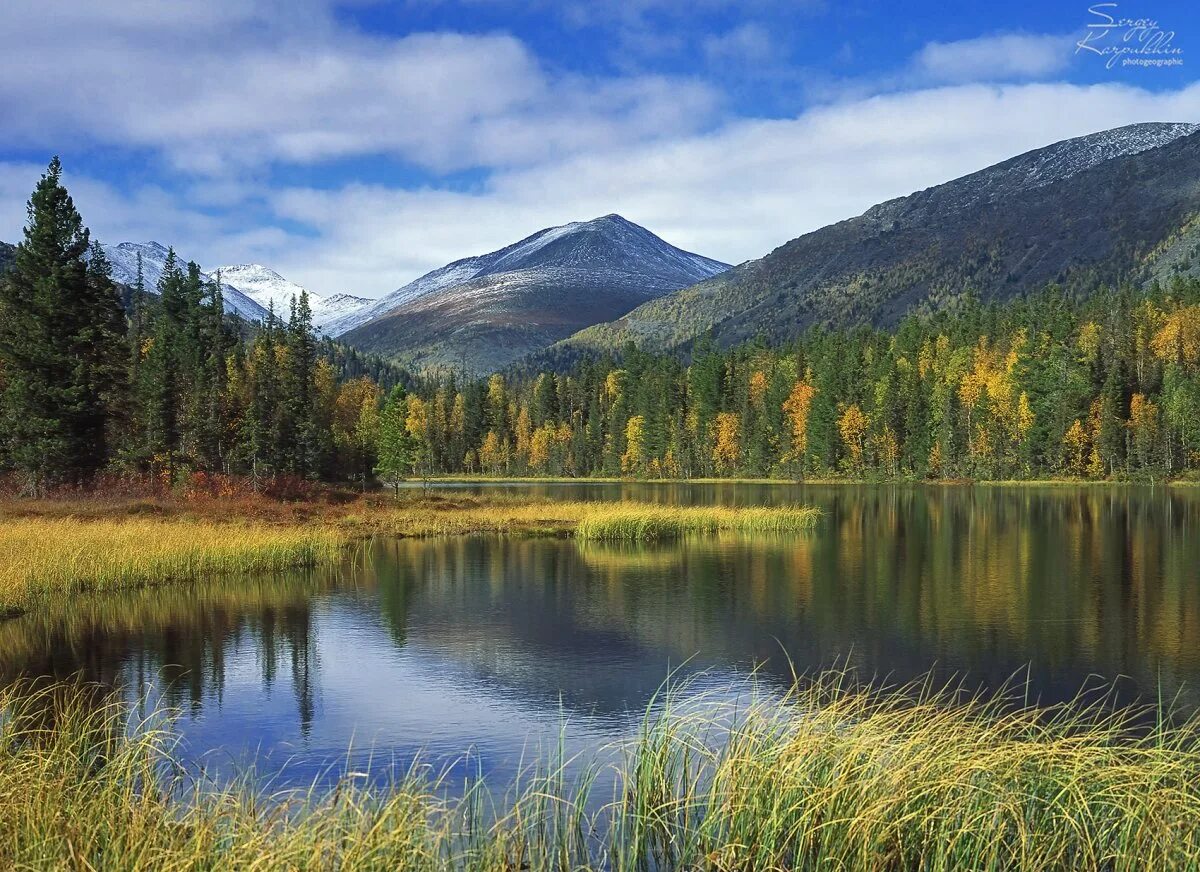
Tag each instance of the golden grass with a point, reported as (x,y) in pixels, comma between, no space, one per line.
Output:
(44,557)
(45,551)
(829,777)
(639,522)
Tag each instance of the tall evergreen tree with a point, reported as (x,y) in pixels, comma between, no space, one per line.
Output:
(163,377)
(57,321)
(303,452)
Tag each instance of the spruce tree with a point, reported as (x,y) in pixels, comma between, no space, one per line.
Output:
(303,442)
(57,319)
(396,454)
(100,346)
(163,382)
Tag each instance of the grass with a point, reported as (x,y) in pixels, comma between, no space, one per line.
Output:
(54,548)
(640,522)
(41,557)
(832,776)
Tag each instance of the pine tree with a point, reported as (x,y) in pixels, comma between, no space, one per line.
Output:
(163,377)
(56,322)
(395,453)
(101,348)
(302,454)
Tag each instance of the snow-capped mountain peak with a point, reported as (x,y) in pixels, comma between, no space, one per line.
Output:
(263,285)
(269,289)
(124,257)
(608,245)
(481,313)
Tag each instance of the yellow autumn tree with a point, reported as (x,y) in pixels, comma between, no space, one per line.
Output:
(493,454)
(853,425)
(726,450)
(797,407)
(635,439)
(1075,449)
(540,445)
(1178,340)
(757,388)
(524,435)
(1143,428)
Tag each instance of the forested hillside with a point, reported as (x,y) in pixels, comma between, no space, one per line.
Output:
(1101,386)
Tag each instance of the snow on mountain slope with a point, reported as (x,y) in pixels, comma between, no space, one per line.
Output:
(268,288)
(610,243)
(482,313)
(1034,169)
(123,258)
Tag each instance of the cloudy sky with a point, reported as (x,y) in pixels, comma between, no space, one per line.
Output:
(355,145)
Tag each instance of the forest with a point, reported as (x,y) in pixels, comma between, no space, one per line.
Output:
(1051,385)
(1104,385)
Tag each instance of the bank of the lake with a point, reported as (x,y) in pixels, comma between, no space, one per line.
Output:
(830,775)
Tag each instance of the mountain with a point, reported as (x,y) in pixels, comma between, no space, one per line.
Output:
(154,257)
(1117,205)
(7,253)
(483,312)
(266,288)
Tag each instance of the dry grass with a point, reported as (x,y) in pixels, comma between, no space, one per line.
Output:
(58,547)
(830,777)
(640,522)
(45,557)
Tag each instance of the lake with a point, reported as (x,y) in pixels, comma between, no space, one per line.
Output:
(508,647)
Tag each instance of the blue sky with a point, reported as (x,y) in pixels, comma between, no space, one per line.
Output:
(355,145)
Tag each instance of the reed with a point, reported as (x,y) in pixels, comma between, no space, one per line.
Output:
(646,523)
(828,777)
(45,557)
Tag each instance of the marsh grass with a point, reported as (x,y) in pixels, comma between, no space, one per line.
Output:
(829,776)
(46,552)
(640,522)
(45,557)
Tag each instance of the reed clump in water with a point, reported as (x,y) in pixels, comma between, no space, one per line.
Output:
(646,523)
(828,777)
(40,557)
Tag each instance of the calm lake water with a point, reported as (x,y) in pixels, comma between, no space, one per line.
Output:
(504,647)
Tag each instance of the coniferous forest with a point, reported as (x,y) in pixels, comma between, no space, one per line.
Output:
(165,383)
(1104,385)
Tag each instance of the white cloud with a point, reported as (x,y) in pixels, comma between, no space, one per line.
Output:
(233,88)
(732,194)
(229,86)
(994,58)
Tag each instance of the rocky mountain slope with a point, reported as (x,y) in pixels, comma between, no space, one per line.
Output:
(1120,204)
(481,313)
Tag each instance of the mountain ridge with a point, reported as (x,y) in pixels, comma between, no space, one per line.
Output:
(998,231)
(487,310)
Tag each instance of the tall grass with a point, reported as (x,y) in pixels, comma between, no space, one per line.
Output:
(829,777)
(645,522)
(44,557)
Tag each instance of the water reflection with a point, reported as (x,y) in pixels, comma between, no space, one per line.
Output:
(434,647)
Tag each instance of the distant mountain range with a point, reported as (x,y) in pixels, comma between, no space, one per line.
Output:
(249,290)
(482,313)
(268,288)
(1118,205)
